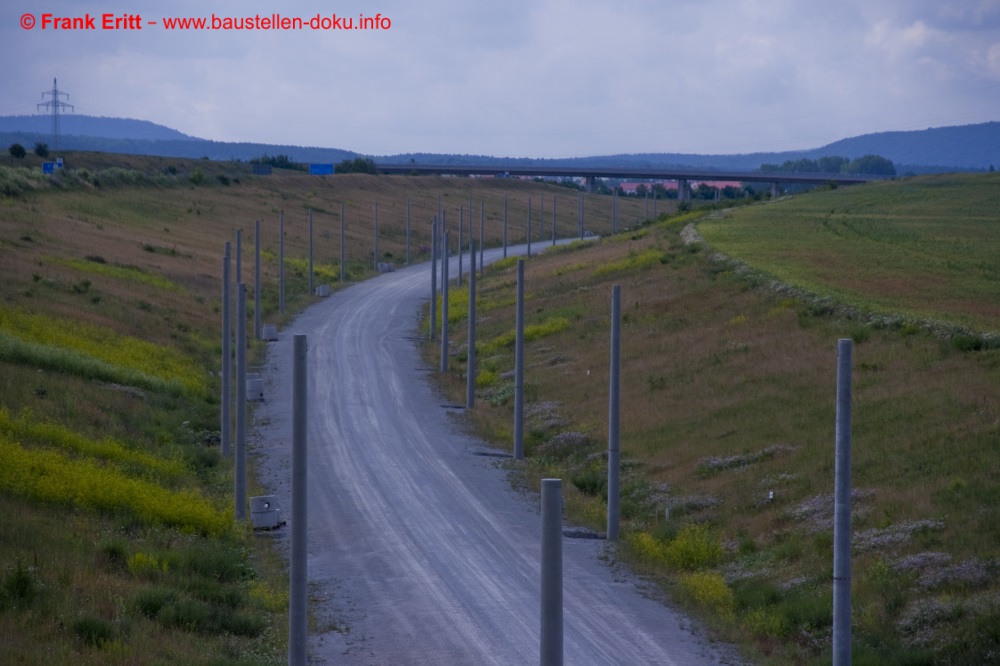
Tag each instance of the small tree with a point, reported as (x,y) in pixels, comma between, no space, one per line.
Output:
(42,149)
(357,165)
(17,150)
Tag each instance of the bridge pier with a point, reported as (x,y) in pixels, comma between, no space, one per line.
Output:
(591,182)
(774,190)
(683,189)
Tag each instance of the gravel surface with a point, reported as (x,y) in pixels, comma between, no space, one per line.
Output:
(419,550)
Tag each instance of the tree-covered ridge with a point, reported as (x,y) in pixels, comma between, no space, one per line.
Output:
(875,165)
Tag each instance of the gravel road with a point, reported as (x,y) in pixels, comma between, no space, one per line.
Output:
(419,550)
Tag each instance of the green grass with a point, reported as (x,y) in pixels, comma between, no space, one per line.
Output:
(550,326)
(24,428)
(129,273)
(88,350)
(920,248)
(52,476)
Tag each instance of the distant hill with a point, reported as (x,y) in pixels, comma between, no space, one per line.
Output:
(959,148)
(141,137)
(93,126)
(964,147)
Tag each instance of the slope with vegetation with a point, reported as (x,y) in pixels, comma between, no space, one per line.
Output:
(117,544)
(728,399)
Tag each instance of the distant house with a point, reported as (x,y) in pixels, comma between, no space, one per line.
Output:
(632,188)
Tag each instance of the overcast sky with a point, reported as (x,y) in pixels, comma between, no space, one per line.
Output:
(538,78)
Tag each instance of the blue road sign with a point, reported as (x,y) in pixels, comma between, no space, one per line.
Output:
(321,169)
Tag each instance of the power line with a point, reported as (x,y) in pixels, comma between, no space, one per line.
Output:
(55,105)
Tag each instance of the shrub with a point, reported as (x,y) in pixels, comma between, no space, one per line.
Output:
(592,479)
(151,600)
(765,623)
(708,589)
(188,614)
(17,151)
(486,378)
(114,553)
(242,623)
(265,597)
(694,548)
(20,584)
(647,548)
(224,565)
(93,630)
(42,149)
(147,566)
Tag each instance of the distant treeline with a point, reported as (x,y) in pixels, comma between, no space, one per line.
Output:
(357,165)
(874,165)
(279,162)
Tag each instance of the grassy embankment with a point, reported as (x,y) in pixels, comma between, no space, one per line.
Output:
(728,394)
(117,544)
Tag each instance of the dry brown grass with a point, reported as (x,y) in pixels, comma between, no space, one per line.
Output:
(168,228)
(713,368)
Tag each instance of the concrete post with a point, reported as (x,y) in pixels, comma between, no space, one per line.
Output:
(541,216)
(239,256)
(482,239)
(281,262)
(614,449)
(553,220)
(505,226)
(529,226)
(579,222)
(519,366)
(298,616)
(617,220)
(842,511)
(612,216)
(444,307)
(683,190)
(434,286)
(407,231)
(256,282)
(443,250)
(461,250)
(343,253)
(312,290)
(654,202)
(225,424)
(470,366)
(240,473)
(375,240)
(774,190)
(551,653)
(645,205)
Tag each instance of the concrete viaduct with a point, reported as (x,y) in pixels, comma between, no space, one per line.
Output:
(591,174)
